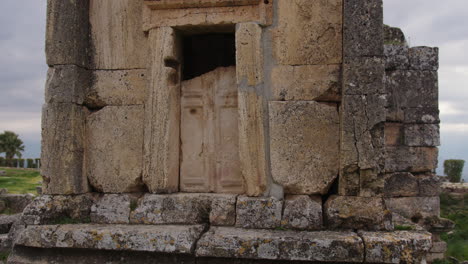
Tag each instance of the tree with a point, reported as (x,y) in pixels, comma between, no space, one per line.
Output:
(453,169)
(11,145)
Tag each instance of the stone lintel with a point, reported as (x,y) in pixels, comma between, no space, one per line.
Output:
(180,4)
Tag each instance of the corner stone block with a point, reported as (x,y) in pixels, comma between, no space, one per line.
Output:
(429,185)
(257,213)
(67,32)
(424,58)
(302,212)
(249,59)
(429,115)
(396,247)
(411,159)
(67,84)
(304,146)
(422,135)
(396,57)
(414,208)
(114,149)
(111,209)
(62,164)
(394,36)
(351,212)
(322,20)
(363,28)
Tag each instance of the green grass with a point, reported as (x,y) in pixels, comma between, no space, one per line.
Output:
(403,228)
(457,211)
(20,181)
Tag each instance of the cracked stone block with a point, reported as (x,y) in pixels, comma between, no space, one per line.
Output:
(322,20)
(259,212)
(414,208)
(396,57)
(7,221)
(366,213)
(325,246)
(411,159)
(185,208)
(396,247)
(424,58)
(394,36)
(117,87)
(67,84)
(162,239)
(422,135)
(114,151)
(429,185)
(111,209)
(302,212)
(363,28)
(304,146)
(401,184)
(47,209)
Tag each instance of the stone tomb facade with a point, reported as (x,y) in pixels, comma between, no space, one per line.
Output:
(195,131)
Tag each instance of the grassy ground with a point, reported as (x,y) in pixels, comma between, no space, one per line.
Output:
(20,180)
(457,211)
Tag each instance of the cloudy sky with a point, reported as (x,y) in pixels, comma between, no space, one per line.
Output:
(425,22)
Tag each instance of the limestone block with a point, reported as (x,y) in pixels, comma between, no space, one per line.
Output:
(6,221)
(302,212)
(304,146)
(252,212)
(306,83)
(63,132)
(185,208)
(67,84)
(363,28)
(176,4)
(396,247)
(414,208)
(424,58)
(162,115)
(393,134)
(429,185)
(401,184)
(114,149)
(429,115)
(249,58)
(47,209)
(351,212)
(117,36)
(396,57)
(252,143)
(163,239)
(111,209)
(228,242)
(119,87)
(439,247)
(394,36)
(16,202)
(411,159)
(67,32)
(422,135)
(308,32)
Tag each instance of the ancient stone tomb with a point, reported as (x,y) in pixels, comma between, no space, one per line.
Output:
(195,130)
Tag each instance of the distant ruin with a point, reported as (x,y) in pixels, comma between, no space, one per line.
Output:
(234,131)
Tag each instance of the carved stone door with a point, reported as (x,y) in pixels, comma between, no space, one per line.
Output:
(210,133)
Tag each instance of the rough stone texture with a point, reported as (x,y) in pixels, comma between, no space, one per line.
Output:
(347,212)
(67,32)
(429,185)
(6,221)
(304,144)
(412,159)
(163,239)
(16,202)
(362,125)
(422,135)
(428,115)
(111,209)
(321,45)
(363,28)
(114,149)
(66,84)
(396,247)
(411,89)
(414,208)
(439,247)
(162,115)
(281,245)
(396,57)
(249,59)
(62,164)
(47,209)
(179,4)
(302,212)
(424,58)
(258,212)
(185,208)
(401,184)
(119,87)
(116,34)
(394,36)
(306,83)
(394,134)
